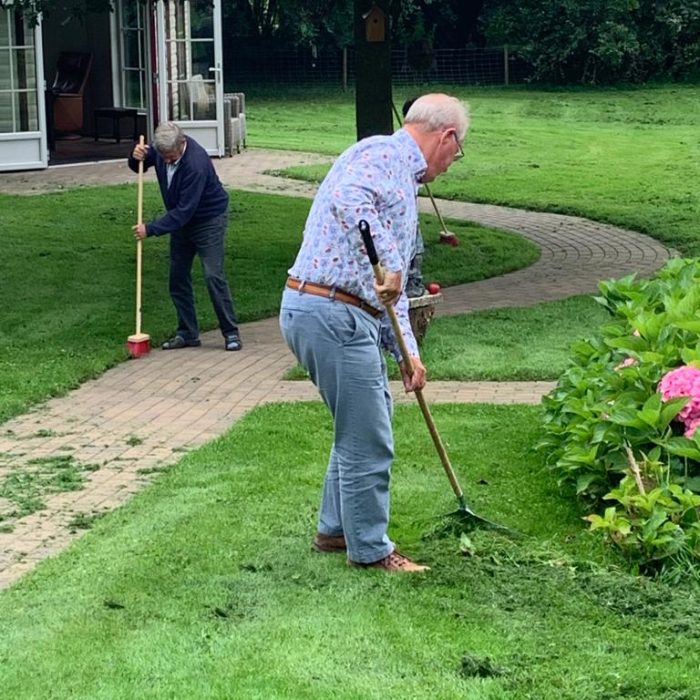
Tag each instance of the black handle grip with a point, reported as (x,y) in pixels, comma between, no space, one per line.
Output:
(367,240)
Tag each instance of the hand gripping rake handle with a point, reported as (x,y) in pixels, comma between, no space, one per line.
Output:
(139,242)
(437,440)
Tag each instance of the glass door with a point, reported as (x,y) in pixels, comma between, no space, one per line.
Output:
(131,88)
(23,131)
(134,84)
(190,80)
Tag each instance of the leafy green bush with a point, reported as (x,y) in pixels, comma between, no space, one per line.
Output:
(599,41)
(611,437)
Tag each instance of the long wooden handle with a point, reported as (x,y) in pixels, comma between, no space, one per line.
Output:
(437,211)
(427,415)
(139,242)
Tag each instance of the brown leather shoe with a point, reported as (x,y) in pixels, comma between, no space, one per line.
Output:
(329,544)
(394,563)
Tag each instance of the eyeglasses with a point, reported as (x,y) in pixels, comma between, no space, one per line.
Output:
(460,150)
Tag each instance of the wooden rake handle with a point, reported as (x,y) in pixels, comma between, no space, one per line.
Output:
(139,242)
(427,416)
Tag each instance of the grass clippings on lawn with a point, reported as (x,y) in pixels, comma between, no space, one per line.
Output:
(205,586)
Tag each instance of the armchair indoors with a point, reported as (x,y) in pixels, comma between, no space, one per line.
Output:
(72,70)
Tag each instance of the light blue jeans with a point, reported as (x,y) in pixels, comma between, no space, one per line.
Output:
(338,345)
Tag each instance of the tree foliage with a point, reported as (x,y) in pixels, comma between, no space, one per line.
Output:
(32,9)
(599,41)
(569,41)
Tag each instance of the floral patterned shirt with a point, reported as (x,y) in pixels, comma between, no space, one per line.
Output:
(376,180)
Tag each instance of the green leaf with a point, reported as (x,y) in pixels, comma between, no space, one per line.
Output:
(692,483)
(651,410)
(683,447)
(671,409)
(693,326)
(628,342)
(584,481)
(654,522)
(626,416)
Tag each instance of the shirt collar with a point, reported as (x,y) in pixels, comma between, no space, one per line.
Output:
(177,162)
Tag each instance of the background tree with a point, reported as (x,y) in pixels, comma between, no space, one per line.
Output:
(373,110)
(599,41)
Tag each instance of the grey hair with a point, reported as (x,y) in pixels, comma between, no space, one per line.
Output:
(168,138)
(438,111)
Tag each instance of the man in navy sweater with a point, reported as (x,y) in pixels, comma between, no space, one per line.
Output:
(196,219)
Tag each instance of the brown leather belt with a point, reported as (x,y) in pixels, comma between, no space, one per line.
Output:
(321,290)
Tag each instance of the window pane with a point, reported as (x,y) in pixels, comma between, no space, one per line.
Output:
(202,58)
(134,89)
(5,74)
(202,23)
(132,55)
(180,107)
(6,113)
(18,112)
(25,70)
(4,27)
(130,13)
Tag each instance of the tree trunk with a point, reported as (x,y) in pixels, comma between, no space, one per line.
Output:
(373,111)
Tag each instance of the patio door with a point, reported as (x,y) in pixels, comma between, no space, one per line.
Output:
(190,78)
(23,143)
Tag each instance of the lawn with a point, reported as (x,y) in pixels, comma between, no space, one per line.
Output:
(524,344)
(67,297)
(626,156)
(204,585)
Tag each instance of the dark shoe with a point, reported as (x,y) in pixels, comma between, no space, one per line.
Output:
(394,563)
(329,544)
(177,342)
(233,342)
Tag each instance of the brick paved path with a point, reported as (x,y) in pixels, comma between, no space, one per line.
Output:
(143,414)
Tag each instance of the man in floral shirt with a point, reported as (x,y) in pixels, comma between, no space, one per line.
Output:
(333,320)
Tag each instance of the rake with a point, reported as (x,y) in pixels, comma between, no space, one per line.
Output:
(464,515)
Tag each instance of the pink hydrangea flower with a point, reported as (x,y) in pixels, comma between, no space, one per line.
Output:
(684,381)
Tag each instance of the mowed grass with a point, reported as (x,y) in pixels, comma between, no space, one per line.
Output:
(626,156)
(204,585)
(524,344)
(513,344)
(67,293)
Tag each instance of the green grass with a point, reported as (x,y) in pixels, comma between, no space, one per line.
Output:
(204,585)
(24,490)
(515,344)
(66,301)
(627,156)
(510,344)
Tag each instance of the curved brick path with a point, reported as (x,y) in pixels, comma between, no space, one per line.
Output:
(177,401)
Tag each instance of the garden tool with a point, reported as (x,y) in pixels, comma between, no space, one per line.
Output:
(465,516)
(446,236)
(139,343)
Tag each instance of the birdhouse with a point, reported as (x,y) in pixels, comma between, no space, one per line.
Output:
(375,24)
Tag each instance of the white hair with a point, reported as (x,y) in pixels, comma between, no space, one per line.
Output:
(438,111)
(168,138)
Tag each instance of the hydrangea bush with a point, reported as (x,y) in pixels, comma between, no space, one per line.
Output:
(620,426)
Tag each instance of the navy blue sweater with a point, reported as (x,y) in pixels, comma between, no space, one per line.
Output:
(195,193)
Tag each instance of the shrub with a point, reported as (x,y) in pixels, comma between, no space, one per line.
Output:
(599,41)
(612,436)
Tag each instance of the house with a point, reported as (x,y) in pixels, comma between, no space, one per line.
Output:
(103,78)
